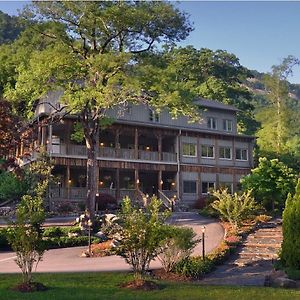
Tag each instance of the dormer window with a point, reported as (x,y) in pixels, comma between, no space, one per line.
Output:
(211,123)
(153,116)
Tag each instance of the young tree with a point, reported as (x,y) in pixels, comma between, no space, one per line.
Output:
(234,208)
(140,234)
(25,234)
(96,62)
(270,183)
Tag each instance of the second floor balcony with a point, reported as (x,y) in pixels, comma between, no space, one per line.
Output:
(109,152)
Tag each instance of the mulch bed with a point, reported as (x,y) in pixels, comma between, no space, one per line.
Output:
(161,274)
(141,285)
(30,287)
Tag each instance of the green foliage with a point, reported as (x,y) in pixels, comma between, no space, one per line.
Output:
(234,208)
(78,134)
(279,132)
(270,183)
(25,236)
(194,267)
(290,251)
(177,245)
(65,242)
(141,234)
(211,74)
(11,187)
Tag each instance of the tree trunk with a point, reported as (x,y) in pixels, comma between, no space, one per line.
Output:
(91,183)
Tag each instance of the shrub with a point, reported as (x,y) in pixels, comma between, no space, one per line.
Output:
(64,241)
(290,250)
(53,232)
(270,182)
(234,208)
(11,188)
(106,201)
(194,267)
(4,245)
(177,245)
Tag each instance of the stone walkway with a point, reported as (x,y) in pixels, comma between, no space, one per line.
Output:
(253,260)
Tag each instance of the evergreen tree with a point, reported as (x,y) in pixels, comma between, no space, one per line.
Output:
(290,253)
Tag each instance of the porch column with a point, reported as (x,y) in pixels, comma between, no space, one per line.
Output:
(117,143)
(43,137)
(159,139)
(68,183)
(136,143)
(50,139)
(160,182)
(118,185)
(136,182)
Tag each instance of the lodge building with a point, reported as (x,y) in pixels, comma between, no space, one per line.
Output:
(150,153)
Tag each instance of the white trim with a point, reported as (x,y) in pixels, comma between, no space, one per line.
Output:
(225,158)
(247,152)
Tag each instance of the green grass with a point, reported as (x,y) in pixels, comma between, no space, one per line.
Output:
(106,286)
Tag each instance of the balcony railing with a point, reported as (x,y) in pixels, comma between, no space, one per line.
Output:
(79,193)
(107,152)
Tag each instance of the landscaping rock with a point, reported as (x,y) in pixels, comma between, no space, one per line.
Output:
(284,283)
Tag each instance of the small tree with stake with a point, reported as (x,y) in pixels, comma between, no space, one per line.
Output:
(25,234)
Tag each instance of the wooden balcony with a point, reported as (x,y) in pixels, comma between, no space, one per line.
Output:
(107,152)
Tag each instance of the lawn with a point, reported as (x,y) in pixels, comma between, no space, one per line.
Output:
(106,286)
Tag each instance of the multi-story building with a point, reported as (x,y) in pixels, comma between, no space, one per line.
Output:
(152,153)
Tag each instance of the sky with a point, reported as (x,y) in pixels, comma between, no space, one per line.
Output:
(259,33)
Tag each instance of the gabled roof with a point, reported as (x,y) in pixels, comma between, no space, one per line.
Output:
(214,104)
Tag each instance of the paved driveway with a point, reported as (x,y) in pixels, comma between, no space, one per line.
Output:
(69,260)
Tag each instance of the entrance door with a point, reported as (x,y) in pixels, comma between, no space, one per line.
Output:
(149,182)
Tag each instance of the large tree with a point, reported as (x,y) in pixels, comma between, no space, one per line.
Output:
(98,61)
(216,75)
(279,133)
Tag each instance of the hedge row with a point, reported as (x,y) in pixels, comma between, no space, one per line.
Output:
(54,237)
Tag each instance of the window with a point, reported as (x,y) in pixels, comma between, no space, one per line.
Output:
(207,186)
(241,154)
(189,149)
(211,123)
(227,185)
(225,153)
(207,151)
(189,187)
(128,109)
(153,116)
(227,125)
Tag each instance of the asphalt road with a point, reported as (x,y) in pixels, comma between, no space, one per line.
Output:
(69,260)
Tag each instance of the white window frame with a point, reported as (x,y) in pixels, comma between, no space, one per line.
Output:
(225,147)
(210,122)
(207,186)
(226,125)
(241,159)
(154,116)
(189,144)
(194,181)
(210,157)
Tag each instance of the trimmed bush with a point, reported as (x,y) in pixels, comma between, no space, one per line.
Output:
(65,242)
(194,267)
(290,251)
